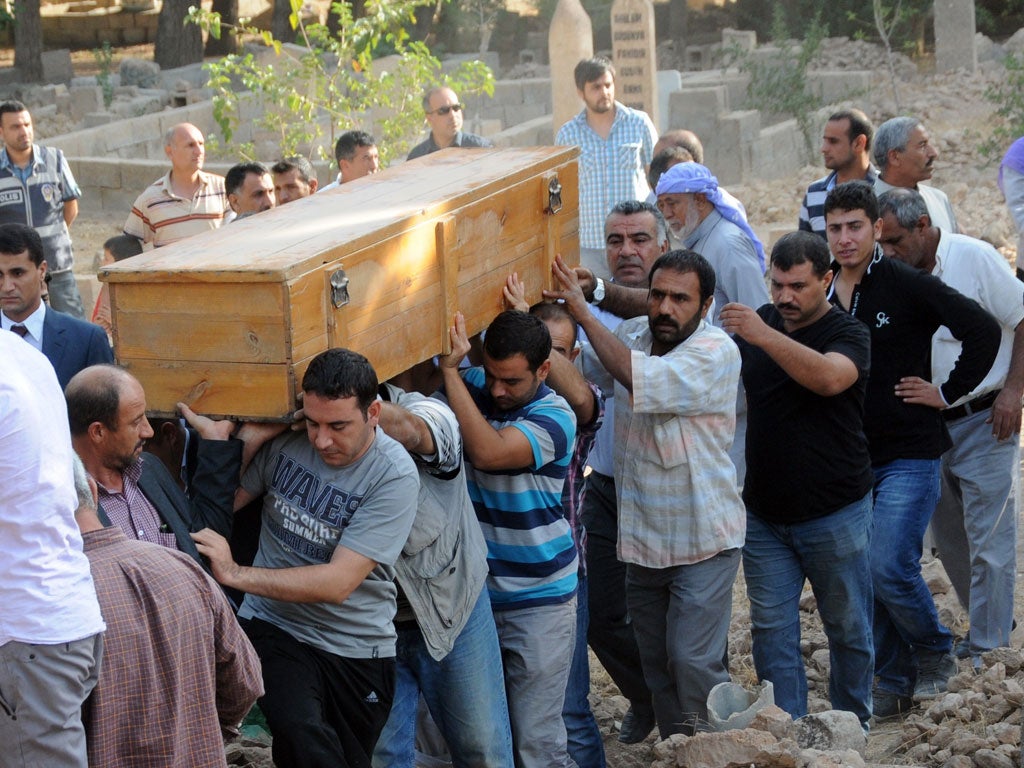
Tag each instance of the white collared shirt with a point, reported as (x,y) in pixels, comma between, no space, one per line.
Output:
(34,324)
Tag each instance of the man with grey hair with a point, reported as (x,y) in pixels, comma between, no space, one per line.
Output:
(294,179)
(975,521)
(905,157)
(444,116)
(184,202)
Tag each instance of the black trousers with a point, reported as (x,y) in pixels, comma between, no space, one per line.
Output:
(324,711)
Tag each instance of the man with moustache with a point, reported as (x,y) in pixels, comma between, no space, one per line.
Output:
(616,146)
(294,179)
(681,520)
(805,367)
(444,116)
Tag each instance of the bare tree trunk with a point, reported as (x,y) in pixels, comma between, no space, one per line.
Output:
(228,42)
(177,44)
(28,41)
(280,26)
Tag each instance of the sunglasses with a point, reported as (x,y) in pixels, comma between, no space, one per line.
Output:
(446,109)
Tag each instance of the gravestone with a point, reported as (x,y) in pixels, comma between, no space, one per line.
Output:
(570,39)
(633,53)
(954,36)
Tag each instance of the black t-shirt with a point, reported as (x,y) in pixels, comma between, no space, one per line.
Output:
(807,455)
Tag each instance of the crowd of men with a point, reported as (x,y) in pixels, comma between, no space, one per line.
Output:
(450,542)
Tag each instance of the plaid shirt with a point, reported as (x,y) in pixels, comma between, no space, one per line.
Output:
(572,493)
(675,482)
(612,169)
(177,668)
(133,513)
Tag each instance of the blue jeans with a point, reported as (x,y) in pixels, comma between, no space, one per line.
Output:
(906,621)
(465,693)
(582,734)
(831,552)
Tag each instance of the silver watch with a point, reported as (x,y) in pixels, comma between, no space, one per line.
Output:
(598,296)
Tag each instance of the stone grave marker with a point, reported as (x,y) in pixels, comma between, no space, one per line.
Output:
(570,39)
(633,53)
(954,36)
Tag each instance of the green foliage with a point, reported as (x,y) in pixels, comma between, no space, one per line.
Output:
(104,57)
(1007,96)
(304,93)
(778,81)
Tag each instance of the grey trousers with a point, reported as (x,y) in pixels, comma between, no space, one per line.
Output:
(681,620)
(975,526)
(64,295)
(536,649)
(42,688)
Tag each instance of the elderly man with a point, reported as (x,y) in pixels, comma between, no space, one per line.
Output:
(905,157)
(69,344)
(975,521)
(50,623)
(107,410)
(294,179)
(177,669)
(681,520)
(616,146)
(37,189)
(250,189)
(846,149)
(184,202)
(444,116)
(357,156)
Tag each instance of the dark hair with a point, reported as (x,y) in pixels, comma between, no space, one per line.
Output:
(235,177)
(860,125)
(853,196)
(518,333)
(589,70)
(12,105)
(906,206)
(688,261)
(633,207)
(802,248)
(92,398)
(123,246)
(551,310)
(349,141)
(16,238)
(295,163)
(665,160)
(340,373)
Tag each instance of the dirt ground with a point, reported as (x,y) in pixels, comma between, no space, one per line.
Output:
(954,111)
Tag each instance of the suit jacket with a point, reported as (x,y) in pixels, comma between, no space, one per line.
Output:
(212,493)
(71,344)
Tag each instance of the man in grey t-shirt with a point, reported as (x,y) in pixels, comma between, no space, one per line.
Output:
(320,599)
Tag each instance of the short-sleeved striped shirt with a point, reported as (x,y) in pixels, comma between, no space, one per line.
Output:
(612,169)
(812,209)
(160,217)
(530,551)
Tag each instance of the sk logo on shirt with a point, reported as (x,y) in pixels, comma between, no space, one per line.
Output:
(882,318)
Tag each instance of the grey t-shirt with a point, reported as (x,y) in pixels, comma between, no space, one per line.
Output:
(309,510)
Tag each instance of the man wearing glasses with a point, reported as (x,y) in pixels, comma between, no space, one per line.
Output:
(444,115)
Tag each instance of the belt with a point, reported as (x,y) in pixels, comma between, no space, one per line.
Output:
(982,403)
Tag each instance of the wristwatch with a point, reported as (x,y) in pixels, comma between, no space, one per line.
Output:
(598,296)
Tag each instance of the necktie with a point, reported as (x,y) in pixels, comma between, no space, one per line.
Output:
(21,330)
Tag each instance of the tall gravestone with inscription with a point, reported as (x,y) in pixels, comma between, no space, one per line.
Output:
(633,53)
(954,36)
(570,39)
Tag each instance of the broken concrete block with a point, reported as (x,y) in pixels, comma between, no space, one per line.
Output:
(145,74)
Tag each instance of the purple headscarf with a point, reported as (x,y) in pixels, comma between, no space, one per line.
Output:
(1014,158)
(689,178)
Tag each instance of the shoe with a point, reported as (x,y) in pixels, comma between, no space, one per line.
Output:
(933,672)
(962,649)
(885,705)
(636,725)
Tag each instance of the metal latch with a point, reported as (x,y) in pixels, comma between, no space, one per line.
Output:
(554,195)
(339,289)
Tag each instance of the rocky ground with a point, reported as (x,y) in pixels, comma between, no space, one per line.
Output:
(977,725)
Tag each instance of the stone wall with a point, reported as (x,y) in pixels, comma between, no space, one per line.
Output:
(101,25)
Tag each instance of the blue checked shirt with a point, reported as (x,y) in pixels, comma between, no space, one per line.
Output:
(612,169)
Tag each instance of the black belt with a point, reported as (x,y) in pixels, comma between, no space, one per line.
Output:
(976,405)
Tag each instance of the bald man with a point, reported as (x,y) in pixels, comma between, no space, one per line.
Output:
(184,202)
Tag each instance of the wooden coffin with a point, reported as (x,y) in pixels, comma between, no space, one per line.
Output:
(228,320)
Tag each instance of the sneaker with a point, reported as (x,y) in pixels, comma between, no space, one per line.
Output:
(636,725)
(933,672)
(962,648)
(885,705)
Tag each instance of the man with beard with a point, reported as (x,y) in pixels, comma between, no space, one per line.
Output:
(616,146)
(107,412)
(681,520)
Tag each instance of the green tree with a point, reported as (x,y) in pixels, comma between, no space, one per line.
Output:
(335,82)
